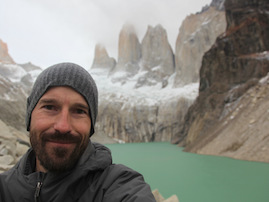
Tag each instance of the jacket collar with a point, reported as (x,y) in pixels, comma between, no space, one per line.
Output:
(95,157)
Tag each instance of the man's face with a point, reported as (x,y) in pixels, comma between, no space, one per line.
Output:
(60,128)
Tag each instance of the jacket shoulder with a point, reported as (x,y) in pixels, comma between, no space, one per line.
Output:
(126,184)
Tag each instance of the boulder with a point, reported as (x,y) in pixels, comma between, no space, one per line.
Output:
(159,198)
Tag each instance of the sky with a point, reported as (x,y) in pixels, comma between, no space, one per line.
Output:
(45,32)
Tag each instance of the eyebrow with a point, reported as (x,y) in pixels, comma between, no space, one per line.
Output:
(54,101)
(80,105)
(47,101)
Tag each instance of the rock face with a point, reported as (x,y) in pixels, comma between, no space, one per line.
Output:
(141,122)
(197,34)
(102,59)
(129,52)
(156,51)
(234,64)
(4,56)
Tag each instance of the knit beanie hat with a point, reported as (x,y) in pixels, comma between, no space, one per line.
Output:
(64,74)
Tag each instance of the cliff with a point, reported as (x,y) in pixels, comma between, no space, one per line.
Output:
(134,117)
(230,88)
(197,34)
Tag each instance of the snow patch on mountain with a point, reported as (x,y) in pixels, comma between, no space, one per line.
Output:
(146,95)
(13,72)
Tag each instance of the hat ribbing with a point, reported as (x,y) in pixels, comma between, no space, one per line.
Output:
(64,74)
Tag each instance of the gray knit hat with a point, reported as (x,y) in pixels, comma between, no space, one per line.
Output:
(64,74)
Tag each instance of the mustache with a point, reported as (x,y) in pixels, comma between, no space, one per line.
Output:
(61,137)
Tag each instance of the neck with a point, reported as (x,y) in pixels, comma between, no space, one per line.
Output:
(39,167)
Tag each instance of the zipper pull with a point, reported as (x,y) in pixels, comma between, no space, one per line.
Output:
(37,190)
(40,179)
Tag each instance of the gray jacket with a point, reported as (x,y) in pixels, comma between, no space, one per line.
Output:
(94,179)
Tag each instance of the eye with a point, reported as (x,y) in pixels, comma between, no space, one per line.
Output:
(49,107)
(81,111)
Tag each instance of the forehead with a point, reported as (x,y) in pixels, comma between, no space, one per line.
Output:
(64,93)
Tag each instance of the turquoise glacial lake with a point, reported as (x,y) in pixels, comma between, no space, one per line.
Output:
(193,177)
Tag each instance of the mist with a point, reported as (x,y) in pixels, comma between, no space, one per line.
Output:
(46,32)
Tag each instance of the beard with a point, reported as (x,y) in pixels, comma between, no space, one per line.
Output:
(57,159)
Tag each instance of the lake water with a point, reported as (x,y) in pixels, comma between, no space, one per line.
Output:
(193,177)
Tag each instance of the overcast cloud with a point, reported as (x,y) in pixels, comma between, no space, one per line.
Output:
(46,32)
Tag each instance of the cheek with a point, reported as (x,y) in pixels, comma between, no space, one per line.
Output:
(84,128)
(39,125)
(39,122)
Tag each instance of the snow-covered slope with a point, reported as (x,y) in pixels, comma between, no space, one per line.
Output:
(149,95)
(148,113)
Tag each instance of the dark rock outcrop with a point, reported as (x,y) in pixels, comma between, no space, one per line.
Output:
(234,64)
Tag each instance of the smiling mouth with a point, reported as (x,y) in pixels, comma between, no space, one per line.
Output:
(61,143)
(61,139)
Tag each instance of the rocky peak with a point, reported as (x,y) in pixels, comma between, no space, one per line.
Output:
(129,51)
(156,51)
(4,56)
(102,59)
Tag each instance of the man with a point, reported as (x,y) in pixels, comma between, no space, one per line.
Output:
(63,165)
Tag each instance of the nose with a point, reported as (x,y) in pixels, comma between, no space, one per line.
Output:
(62,123)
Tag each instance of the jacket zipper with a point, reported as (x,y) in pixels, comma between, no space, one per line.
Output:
(38,186)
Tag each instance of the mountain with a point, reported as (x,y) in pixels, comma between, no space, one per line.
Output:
(4,55)
(15,83)
(230,115)
(152,61)
(139,101)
